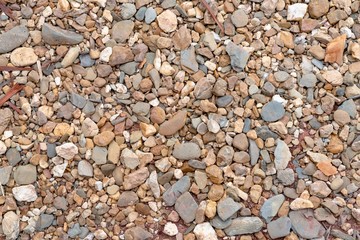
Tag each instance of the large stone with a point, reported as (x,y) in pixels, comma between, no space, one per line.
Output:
(279,228)
(67,150)
(135,178)
(57,36)
(271,206)
(89,128)
(5,173)
(85,169)
(282,155)
(186,207)
(178,188)
(121,30)
(127,198)
(318,8)
(11,225)
(227,208)
(25,174)
(305,225)
(23,56)
(296,11)
(26,193)
(186,151)
(238,56)
(335,50)
(167,21)
(174,124)
(120,55)
(13,38)
(244,225)
(272,111)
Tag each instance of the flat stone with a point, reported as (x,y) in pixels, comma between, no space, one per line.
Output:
(218,223)
(304,224)
(174,124)
(318,8)
(135,178)
(188,59)
(104,138)
(178,188)
(239,18)
(127,10)
(308,80)
(57,36)
(5,117)
(13,156)
(296,12)
(5,173)
(13,38)
(282,155)
(67,150)
(25,174)
(45,221)
(271,206)
(227,208)
(272,111)
(186,151)
(122,30)
(85,169)
(279,227)
(138,232)
(186,207)
(127,198)
(77,100)
(99,155)
(319,189)
(335,50)
(26,193)
(89,128)
(150,15)
(244,225)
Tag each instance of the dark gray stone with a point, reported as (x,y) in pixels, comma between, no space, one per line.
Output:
(227,207)
(272,111)
(244,225)
(279,227)
(238,56)
(304,224)
(45,221)
(224,101)
(187,59)
(186,207)
(13,38)
(77,100)
(86,60)
(171,194)
(57,36)
(218,223)
(13,156)
(271,206)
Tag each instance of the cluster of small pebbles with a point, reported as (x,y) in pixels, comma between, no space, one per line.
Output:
(142,120)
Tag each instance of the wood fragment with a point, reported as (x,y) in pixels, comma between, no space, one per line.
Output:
(7,10)
(11,68)
(15,89)
(15,108)
(206,5)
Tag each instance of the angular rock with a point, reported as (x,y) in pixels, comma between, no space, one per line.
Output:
(67,150)
(11,225)
(26,193)
(57,36)
(25,174)
(335,50)
(122,30)
(279,227)
(23,56)
(282,155)
(227,208)
(172,193)
(186,207)
(304,224)
(205,231)
(271,206)
(238,56)
(135,178)
(5,117)
(244,225)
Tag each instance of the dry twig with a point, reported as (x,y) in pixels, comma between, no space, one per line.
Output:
(15,89)
(206,5)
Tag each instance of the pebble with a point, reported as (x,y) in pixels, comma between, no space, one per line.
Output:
(85,169)
(127,10)
(238,56)
(282,155)
(173,125)
(279,228)
(167,21)
(170,229)
(150,15)
(244,225)
(186,207)
(186,151)
(23,56)
(25,174)
(271,206)
(227,208)
(272,111)
(239,18)
(296,11)
(178,188)
(304,223)
(67,150)
(205,231)
(5,174)
(135,178)
(121,31)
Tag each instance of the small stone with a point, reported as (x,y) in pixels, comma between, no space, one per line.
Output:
(182,38)
(67,150)
(300,203)
(85,169)
(172,193)
(318,8)
(137,233)
(70,56)
(25,174)
(308,80)
(170,229)
(319,189)
(186,207)
(89,128)
(239,18)
(272,111)
(186,151)
(244,225)
(5,173)
(327,168)
(121,31)
(157,115)
(13,38)
(26,193)
(44,221)
(335,50)
(167,21)
(205,231)
(174,124)
(150,15)
(127,198)
(57,36)
(335,145)
(103,139)
(127,10)
(336,15)
(341,117)
(5,117)
(135,178)
(296,11)
(99,155)
(23,56)
(281,76)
